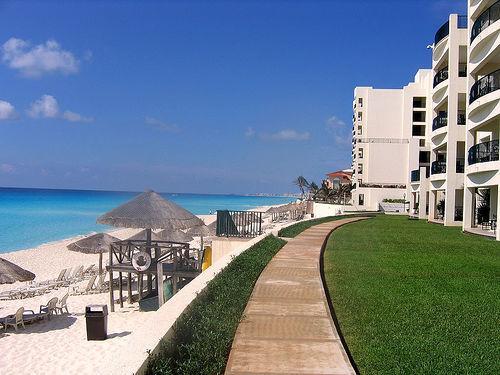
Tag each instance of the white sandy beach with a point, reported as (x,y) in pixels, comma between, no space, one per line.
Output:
(59,346)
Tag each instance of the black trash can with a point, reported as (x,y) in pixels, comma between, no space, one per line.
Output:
(97,322)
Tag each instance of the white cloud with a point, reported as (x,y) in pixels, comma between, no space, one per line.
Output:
(339,130)
(334,122)
(48,107)
(75,117)
(286,135)
(160,125)
(45,107)
(250,132)
(35,61)
(7,168)
(7,111)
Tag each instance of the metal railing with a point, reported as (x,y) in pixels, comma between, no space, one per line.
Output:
(239,223)
(485,85)
(438,167)
(486,18)
(415,175)
(442,32)
(441,76)
(483,152)
(440,121)
(460,165)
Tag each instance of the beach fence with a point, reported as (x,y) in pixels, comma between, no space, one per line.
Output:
(243,224)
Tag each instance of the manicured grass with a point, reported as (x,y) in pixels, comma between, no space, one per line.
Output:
(295,229)
(204,334)
(415,298)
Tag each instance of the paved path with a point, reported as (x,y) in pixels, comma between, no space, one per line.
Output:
(287,327)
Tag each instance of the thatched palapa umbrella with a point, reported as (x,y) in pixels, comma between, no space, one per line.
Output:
(143,235)
(95,244)
(10,273)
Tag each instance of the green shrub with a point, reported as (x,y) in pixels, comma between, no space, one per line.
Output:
(295,229)
(203,335)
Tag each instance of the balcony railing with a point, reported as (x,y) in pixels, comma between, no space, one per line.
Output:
(485,85)
(460,165)
(438,167)
(415,175)
(486,18)
(239,223)
(442,32)
(441,76)
(440,121)
(483,152)
(461,118)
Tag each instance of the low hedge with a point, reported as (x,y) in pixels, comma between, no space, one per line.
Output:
(203,335)
(295,229)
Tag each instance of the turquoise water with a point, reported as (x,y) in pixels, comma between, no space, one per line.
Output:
(30,217)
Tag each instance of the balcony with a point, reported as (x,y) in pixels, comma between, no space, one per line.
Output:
(442,33)
(485,85)
(460,165)
(441,76)
(483,152)
(440,121)
(415,175)
(486,18)
(438,167)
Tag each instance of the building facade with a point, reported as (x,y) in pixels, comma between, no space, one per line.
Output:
(482,176)
(435,142)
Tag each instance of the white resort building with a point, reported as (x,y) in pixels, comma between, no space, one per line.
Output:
(433,144)
(482,176)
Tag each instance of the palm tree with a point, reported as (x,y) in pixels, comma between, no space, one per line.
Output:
(313,189)
(302,184)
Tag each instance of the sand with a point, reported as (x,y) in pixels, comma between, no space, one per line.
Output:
(59,346)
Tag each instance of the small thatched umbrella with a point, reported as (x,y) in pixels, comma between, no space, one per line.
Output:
(10,273)
(175,235)
(95,244)
(202,230)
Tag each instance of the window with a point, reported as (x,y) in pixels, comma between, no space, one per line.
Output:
(418,116)
(418,130)
(421,142)
(360,168)
(360,182)
(361,199)
(424,157)
(360,153)
(360,102)
(360,130)
(419,102)
(360,116)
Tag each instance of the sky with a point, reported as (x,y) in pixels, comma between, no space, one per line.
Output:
(196,96)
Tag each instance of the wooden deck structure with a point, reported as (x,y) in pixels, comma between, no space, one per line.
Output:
(171,260)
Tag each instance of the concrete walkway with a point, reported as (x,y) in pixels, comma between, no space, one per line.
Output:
(286,327)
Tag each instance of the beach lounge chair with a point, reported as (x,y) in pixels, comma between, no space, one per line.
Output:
(10,294)
(62,304)
(50,308)
(102,285)
(88,288)
(19,318)
(89,271)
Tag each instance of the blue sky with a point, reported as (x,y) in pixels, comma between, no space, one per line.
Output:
(214,97)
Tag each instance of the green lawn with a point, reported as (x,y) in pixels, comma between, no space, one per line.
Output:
(295,229)
(416,298)
(203,335)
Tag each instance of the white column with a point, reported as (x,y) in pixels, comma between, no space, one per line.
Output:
(468,207)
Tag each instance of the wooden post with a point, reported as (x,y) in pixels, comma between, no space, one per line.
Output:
(129,287)
(111,298)
(120,285)
(139,285)
(148,250)
(159,279)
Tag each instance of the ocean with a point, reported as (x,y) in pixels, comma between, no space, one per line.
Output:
(30,217)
